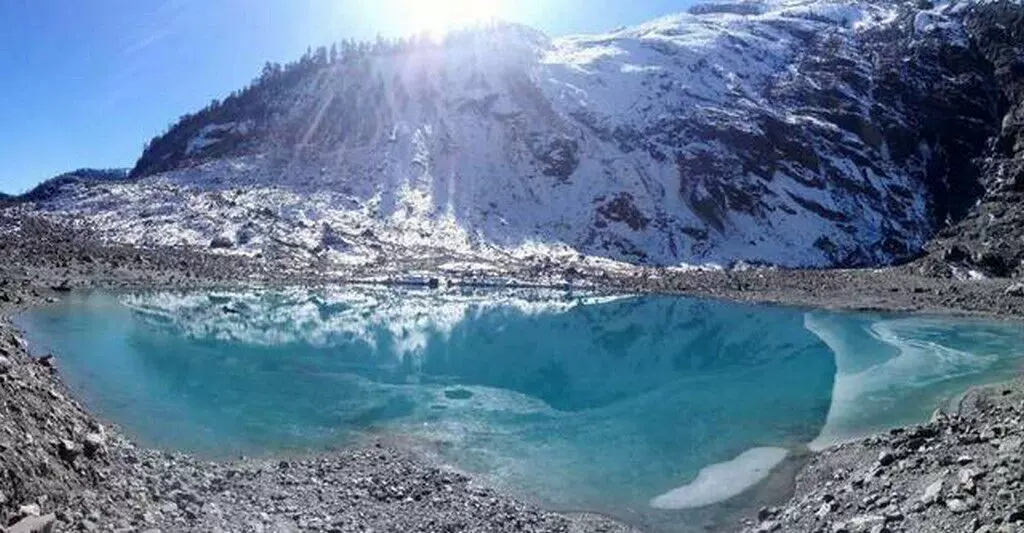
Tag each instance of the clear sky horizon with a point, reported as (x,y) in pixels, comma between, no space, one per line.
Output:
(87,83)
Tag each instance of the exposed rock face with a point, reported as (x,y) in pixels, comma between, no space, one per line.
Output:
(794,133)
(991,237)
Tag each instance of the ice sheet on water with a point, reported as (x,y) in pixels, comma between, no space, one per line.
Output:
(892,371)
(722,481)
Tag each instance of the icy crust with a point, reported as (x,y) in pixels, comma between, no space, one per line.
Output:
(894,371)
(721,481)
(627,145)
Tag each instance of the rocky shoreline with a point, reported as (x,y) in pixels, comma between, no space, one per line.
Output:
(63,470)
(960,472)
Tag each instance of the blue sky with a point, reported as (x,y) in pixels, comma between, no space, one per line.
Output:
(85,83)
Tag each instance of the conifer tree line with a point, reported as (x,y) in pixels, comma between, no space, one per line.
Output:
(255,102)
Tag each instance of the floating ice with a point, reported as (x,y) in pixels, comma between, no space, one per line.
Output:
(891,370)
(722,481)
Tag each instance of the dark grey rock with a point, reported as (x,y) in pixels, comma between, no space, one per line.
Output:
(222,242)
(886,458)
(93,444)
(68,450)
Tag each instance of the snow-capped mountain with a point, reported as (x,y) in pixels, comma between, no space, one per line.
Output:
(794,132)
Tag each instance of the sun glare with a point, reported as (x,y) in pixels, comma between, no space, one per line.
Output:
(438,17)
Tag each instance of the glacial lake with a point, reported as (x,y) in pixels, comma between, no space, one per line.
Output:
(664,411)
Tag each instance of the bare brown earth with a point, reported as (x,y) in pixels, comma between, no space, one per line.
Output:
(62,469)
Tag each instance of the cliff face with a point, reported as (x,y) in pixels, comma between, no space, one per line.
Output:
(800,133)
(990,239)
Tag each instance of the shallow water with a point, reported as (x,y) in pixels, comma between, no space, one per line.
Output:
(659,410)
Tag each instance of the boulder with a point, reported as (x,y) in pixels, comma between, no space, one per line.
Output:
(34,524)
(957,505)
(932,493)
(222,242)
(956,254)
(93,444)
(886,458)
(30,509)
(68,450)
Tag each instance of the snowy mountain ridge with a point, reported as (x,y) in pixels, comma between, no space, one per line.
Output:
(792,132)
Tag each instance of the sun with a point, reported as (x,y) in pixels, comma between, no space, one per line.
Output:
(438,17)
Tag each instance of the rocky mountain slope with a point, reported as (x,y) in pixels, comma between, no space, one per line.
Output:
(793,132)
(991,236)
(55,186)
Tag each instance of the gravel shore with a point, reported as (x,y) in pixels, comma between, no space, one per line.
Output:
(63,470)
(960,472)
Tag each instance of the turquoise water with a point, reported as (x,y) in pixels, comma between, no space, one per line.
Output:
(661,410)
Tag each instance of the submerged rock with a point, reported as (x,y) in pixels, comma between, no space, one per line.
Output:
(458,394)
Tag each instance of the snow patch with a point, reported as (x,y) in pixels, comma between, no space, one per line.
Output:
(208,135)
